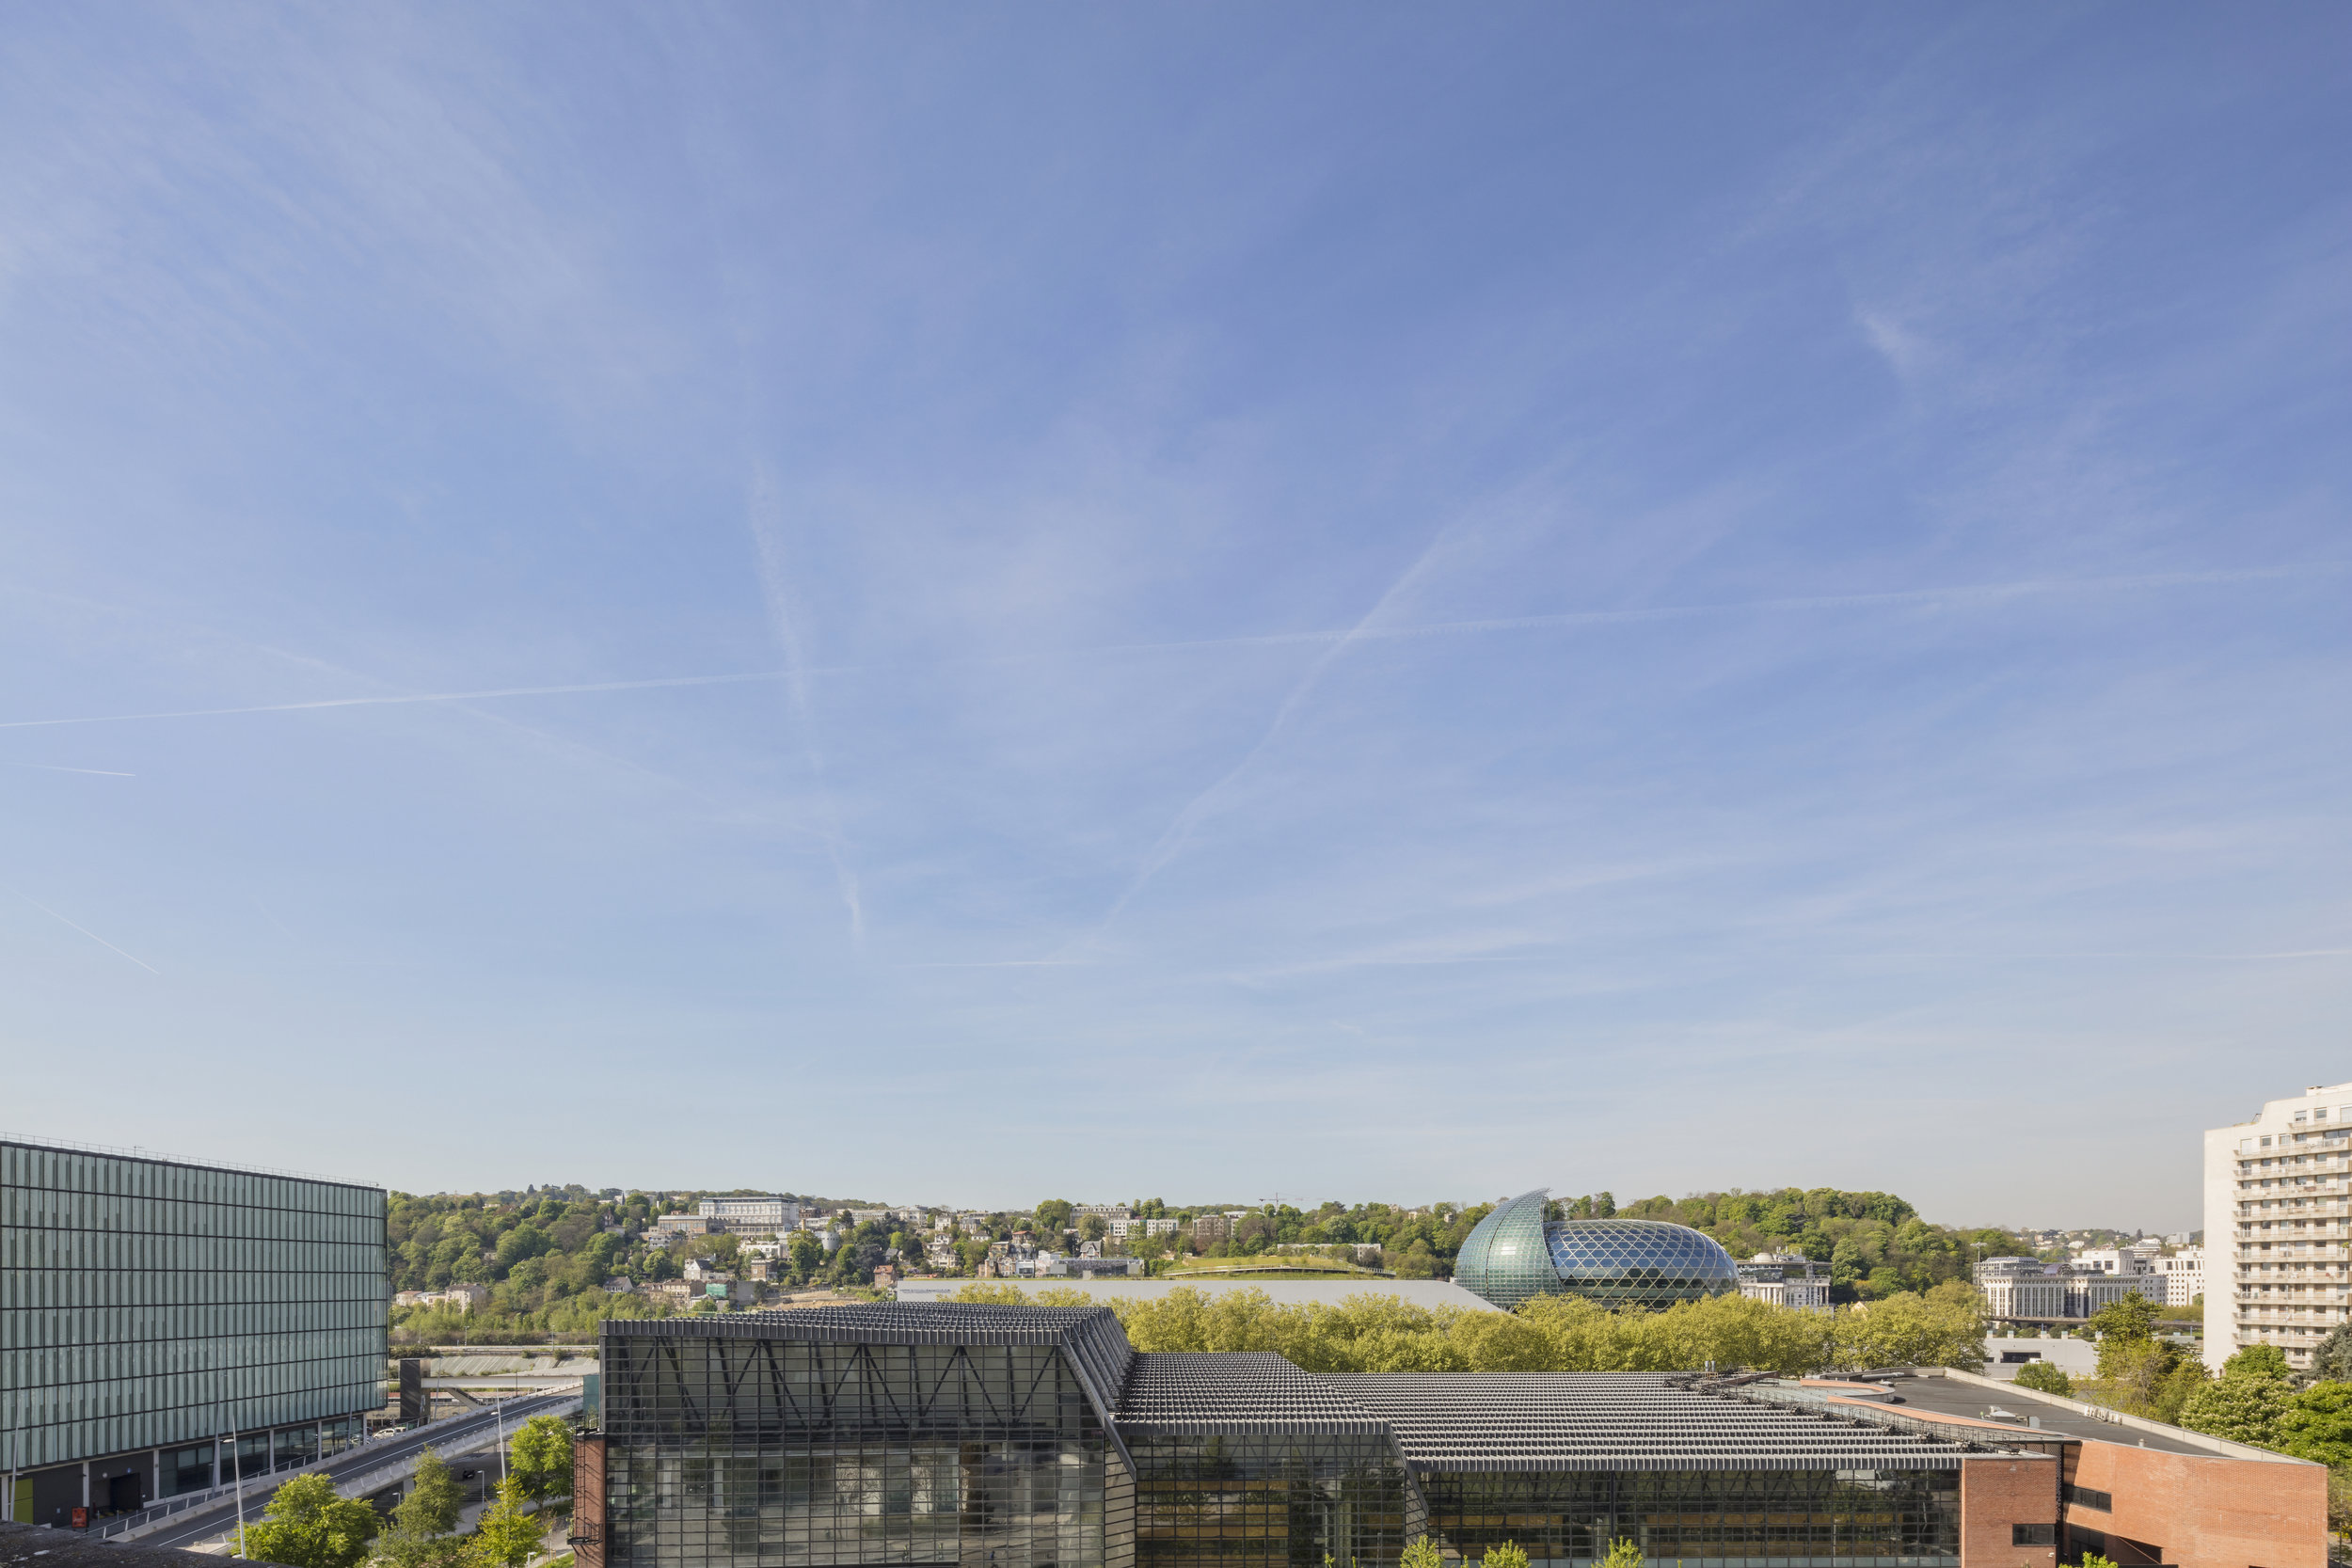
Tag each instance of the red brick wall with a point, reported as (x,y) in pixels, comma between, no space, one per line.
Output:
(587,1536)
(2208,1512)
(1998,1492)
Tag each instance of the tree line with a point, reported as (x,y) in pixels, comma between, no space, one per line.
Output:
(1373,1333)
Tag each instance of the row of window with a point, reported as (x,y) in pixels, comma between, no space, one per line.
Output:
(27,1208)
(90,1175)
(25,1248)
(33,1371)
(24,1328)
(172,1294)
(161,1421)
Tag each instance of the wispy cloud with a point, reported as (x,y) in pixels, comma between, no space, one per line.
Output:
(796,675)
(59,768)
(1180,829)
(765,510)
(87,932)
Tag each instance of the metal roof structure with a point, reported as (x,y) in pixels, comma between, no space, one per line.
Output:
(1619,1422)
(1237,1393)
(1438,1421)
(1088,1336)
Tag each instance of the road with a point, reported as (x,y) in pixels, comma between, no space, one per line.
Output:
(447,1437)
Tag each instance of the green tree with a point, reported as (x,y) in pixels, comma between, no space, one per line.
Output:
(2258,1361)
(1509,1555)
(2317,1425)
(308,1526)
(2043,1378)
(419,1534)
(1622,1553)
(435,1497)
(1421,1553)
(2331,1359)
(509,1534)
(541,1459)
(2244,1405)
(2130,1321)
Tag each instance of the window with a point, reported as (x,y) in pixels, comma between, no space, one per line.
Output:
(2033,1535)
(2082,1496)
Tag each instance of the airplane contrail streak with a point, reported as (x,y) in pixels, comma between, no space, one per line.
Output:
(1963,594)
(87,932)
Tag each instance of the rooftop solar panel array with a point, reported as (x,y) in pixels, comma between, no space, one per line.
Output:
(1616,1421)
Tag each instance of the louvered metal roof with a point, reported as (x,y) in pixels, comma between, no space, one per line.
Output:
(1234,1393)
(1616,1421)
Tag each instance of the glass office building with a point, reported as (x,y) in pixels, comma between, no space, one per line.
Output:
(164,1325)
(1036,1437)
(1515,1254)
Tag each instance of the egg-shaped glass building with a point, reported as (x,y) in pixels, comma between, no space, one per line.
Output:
(1514,1254)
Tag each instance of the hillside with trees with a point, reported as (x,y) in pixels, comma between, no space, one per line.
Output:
(547,1254)
(1875,1243)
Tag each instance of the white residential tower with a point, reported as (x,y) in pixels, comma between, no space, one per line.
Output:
(2275,1225)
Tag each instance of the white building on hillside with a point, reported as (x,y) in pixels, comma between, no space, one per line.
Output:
(1785,1280)
(751,1216)
(2275,1225)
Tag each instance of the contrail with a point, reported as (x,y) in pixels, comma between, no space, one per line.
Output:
(763,512)
(87,932)
(1180,831)
(56,768)
(412,697)
(798,676)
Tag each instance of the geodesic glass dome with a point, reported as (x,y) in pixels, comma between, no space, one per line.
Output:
(1514,1254)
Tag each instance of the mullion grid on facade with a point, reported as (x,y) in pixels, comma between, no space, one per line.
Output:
(149,1303)
(751,1451)
(1853,1518)
(1258,1502)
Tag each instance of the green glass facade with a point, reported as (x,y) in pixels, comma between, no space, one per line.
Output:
(1503,1259)
(148,1307)
(1514,1255)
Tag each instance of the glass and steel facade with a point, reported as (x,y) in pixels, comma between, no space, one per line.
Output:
(150,1306)
(1032,1438)
(1514,1255)
(1812,1518)
(1266,1502)
(742,1447)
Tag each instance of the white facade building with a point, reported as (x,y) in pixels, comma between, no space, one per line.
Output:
(1785,1280)
(2030,1289)
(754,1216)
(2183,1275)
(2275,1225)
(2130,1259)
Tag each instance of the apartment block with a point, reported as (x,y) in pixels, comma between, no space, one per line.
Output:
(2275,1225)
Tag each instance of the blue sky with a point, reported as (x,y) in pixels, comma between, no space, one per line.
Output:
(969,604)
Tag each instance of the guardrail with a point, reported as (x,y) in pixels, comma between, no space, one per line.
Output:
(146,1518)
